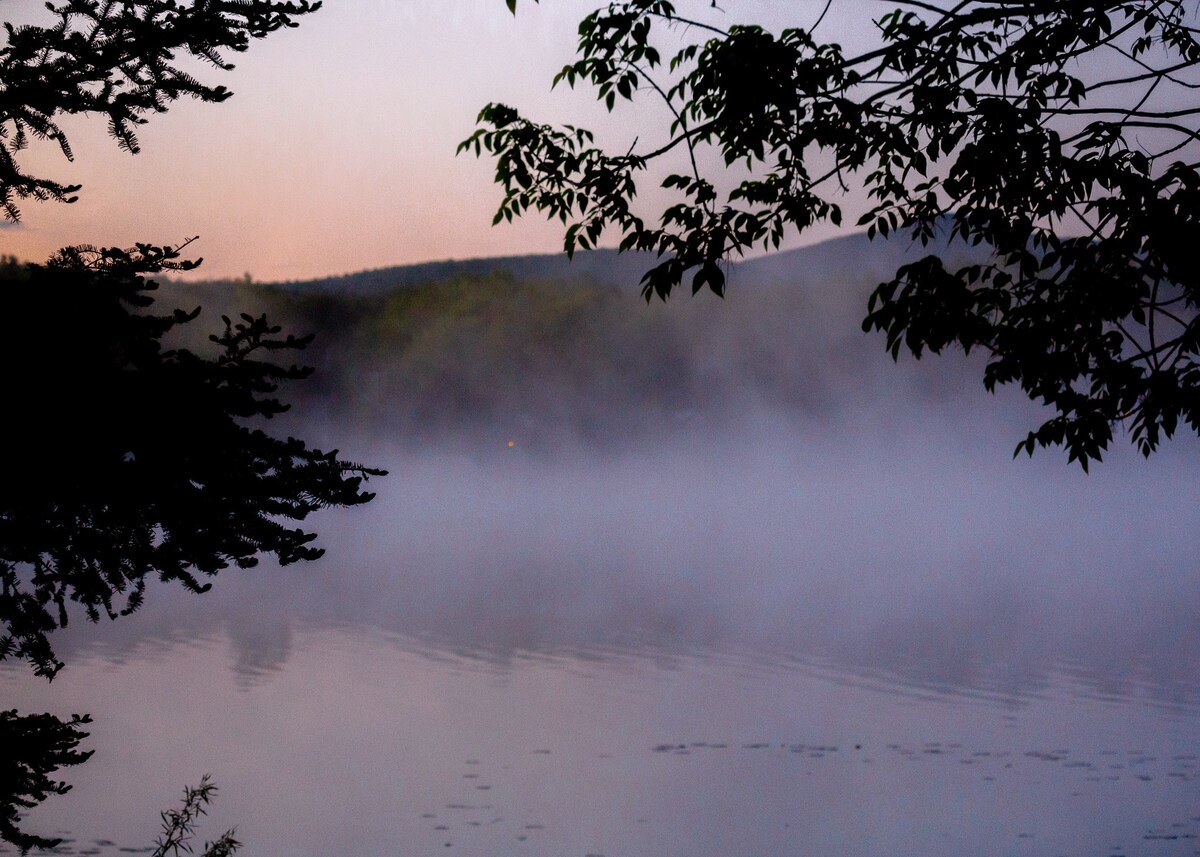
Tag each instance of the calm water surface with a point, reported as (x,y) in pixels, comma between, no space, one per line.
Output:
(778,649)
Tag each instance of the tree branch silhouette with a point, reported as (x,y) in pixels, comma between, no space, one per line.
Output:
(117,60)
(980,122)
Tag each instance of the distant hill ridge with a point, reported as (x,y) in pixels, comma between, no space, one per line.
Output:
(560,353)
(605,266)
(846,257)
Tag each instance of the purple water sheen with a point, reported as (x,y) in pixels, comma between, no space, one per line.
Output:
(775,648)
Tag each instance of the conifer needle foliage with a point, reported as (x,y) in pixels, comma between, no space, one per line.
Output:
(130,459)
(127,458)
(123,60)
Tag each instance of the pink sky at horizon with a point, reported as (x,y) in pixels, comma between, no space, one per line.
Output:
(337,151)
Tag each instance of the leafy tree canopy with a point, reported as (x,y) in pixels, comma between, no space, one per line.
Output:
(116,59)
(1061,136)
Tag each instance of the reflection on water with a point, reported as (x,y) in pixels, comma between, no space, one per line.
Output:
(913,652)
(364,742)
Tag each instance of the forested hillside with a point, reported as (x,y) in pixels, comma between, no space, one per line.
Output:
(548,354)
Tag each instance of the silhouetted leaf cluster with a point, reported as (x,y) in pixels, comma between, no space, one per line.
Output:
(32,747)
(117,60)
(178,825)
(129,459)
(1061,136)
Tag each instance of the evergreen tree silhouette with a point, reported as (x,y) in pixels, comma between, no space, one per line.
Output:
(127,459)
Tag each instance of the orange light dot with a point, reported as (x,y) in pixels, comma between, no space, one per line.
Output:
(512,443)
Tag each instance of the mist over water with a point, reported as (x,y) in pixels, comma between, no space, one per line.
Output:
(752,587)
(923,559)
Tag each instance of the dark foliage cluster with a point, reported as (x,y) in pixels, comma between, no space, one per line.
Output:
(32,747)
(1061,135)
(130,459)
(116,59)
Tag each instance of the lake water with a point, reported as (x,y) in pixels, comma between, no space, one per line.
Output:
(784,644)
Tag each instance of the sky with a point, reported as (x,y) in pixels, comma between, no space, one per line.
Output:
(337,151)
